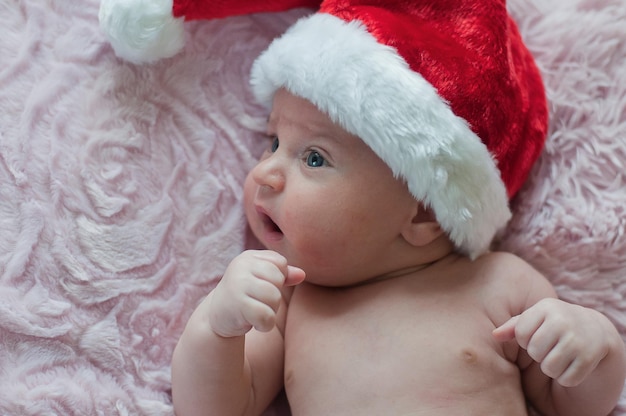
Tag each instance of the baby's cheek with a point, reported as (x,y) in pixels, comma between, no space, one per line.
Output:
(248,192)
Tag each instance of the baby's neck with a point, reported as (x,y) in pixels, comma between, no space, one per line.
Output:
(410,270)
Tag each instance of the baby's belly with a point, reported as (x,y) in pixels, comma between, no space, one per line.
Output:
(394,359)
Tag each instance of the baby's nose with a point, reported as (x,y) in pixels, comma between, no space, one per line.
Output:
(269,173)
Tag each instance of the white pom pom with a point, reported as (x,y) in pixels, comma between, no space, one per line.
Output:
(142,31)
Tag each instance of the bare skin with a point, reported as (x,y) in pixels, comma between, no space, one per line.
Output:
(361,306)
(438,319)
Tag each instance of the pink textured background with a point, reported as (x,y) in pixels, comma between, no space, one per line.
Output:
(120,190)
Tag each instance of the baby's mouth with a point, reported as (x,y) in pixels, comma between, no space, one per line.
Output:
(270,224)
(273,226)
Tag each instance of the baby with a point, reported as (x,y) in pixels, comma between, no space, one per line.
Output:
(376,201)
(390,319)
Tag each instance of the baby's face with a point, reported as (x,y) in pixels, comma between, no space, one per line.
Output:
(322,198)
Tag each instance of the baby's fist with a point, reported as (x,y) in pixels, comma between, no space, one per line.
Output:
(249,293)
(567,340)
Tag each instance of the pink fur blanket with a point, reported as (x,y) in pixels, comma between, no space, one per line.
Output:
(120,190)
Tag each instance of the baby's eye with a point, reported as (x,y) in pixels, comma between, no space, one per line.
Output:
(315,160)
(274,146)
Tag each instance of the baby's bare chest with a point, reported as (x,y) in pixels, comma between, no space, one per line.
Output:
(388,344)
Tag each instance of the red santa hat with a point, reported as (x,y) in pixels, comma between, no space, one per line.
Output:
(444,91)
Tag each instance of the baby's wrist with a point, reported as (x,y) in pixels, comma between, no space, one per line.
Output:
(218,321)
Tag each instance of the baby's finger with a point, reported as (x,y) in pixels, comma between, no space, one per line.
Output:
(265,292)
(264,268)
(527,324)
(570,362)
(273,268)
(269,255)
(556,362)
(575,373)
(543,342)
(506,331)
(260,316)
(295,276)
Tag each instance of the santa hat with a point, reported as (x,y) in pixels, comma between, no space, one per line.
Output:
(144,31)
(444,91)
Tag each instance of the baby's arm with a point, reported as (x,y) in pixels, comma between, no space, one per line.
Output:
(222,367)
(573,360)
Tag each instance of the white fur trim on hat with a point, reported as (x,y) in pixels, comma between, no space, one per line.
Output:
(142,31)
(370,90)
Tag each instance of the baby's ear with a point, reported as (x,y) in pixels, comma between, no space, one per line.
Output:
(423,228)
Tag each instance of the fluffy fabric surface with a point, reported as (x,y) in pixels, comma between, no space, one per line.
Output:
(120,190)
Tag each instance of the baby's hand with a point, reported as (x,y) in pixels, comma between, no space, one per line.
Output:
(249,293)
(567,340)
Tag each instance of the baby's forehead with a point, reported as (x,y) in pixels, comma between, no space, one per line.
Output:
(292,113)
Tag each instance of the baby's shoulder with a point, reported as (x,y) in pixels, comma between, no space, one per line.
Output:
(509,277)
(507,268)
